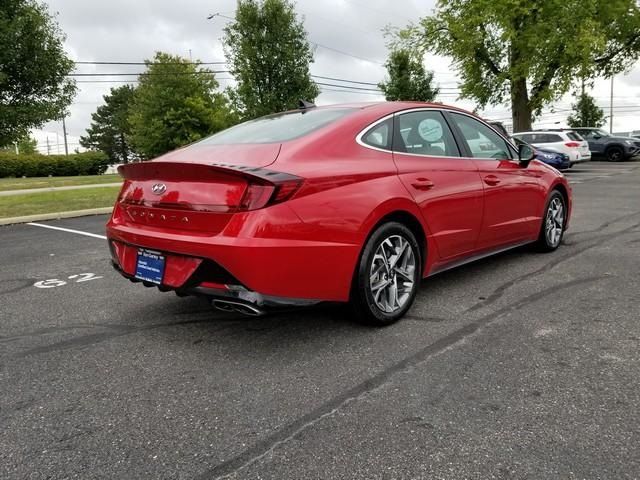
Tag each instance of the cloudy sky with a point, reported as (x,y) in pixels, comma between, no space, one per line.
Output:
(346,34)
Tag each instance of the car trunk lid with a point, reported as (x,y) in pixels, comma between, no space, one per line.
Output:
(194,189)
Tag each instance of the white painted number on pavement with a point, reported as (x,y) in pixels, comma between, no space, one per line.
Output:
(85,277)
(54,282)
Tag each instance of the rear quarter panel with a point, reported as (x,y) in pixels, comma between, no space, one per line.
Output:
(348,188)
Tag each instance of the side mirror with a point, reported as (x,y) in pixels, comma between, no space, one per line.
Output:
(596,136)
(526,153)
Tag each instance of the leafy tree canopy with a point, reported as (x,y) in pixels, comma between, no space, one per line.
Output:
(175,103)
(586,113)
(34,87)
(527,52)
(269,55)
(110,126)
(27,145)
(408,79)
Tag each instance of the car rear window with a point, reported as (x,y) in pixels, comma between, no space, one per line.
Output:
(277,128)
(575,137)
(550,138)
(526,137)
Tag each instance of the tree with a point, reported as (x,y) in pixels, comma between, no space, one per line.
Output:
(586,113)
(27,145)
(110,126)
(529,52)
(34,87)
(176,103)
(268,54)
(408,79)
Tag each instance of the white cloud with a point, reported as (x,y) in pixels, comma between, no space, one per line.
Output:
(122,30)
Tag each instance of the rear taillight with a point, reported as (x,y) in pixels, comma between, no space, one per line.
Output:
(256,196)
(260,195)
(572,144)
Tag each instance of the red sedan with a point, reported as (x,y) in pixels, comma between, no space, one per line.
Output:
(351,203)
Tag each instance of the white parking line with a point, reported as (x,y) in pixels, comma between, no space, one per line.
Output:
(69,230)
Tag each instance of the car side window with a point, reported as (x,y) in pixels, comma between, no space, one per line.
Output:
(482,141)
(379,136)
(587,134)
(425,132)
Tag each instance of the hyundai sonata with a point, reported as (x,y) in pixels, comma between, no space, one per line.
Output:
(351,203)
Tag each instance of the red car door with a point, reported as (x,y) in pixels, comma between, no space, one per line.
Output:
(512,192)
(446,187)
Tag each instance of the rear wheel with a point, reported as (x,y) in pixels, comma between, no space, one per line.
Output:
(615,154)
(553,222)
(387,276)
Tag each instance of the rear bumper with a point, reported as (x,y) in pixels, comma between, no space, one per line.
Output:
(230,297)
(263,269)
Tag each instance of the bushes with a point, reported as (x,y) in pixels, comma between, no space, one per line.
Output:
(87,163)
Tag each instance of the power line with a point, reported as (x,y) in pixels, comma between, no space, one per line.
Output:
(344,80)
(348,86)
(133,81)
(346,53)
(143,73)
(149,63)
(329,89)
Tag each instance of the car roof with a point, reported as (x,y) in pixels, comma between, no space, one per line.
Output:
(542,131)
(386,108)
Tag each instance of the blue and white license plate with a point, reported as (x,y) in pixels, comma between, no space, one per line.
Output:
(150,266)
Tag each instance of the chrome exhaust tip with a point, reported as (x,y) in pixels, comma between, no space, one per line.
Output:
(231,306)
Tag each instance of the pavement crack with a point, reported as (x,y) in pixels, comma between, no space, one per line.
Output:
(117,330)
(263,448)
(501,290)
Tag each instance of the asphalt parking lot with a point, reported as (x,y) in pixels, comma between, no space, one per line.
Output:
(524,365)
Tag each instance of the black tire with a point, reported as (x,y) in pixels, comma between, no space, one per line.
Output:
(362,302)
(615,154)
(546,241)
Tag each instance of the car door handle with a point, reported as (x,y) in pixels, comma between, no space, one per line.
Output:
(491,180)
(422,184)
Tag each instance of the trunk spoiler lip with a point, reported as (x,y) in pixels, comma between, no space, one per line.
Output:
(249,172)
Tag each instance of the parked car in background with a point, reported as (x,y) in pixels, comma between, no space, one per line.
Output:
(614,149)
(558,160)
(563,141)
(500,127)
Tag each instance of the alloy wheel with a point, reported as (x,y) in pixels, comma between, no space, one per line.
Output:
(554,222)
(614,155)
(392,274)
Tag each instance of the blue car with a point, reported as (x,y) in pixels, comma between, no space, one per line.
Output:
(557,160)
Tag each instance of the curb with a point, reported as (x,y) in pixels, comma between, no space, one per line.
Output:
(55,215)
(30,191)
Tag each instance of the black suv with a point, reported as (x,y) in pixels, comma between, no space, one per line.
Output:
(615,149)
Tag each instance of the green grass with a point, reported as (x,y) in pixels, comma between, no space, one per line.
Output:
(45,182)
(61,201)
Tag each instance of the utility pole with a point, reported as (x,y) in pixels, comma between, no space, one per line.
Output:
(64,132)
(611,108)
(48,151)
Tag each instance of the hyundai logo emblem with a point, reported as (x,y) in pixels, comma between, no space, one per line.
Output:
(159,188)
